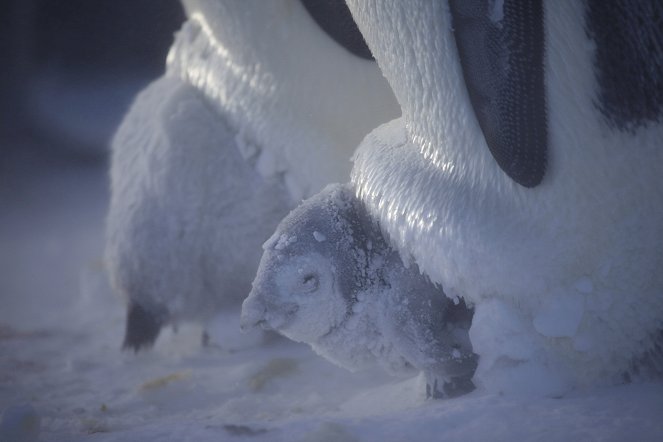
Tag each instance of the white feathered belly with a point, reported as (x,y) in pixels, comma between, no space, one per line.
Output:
(579,258)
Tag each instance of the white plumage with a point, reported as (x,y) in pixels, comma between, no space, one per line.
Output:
(566,277)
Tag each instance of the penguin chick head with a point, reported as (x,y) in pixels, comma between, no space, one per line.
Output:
(304,284)
(296,296)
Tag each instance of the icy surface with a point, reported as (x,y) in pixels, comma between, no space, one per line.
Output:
(61,330)
(577,259)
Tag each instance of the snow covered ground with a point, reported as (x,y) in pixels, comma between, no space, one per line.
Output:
(61,330)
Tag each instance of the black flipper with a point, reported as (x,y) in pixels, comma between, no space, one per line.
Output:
(143,328)
(334,17)
(629,60)
(501,49)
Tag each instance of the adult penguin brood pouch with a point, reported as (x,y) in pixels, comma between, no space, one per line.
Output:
(525,175)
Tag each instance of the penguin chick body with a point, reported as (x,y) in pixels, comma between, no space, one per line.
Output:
(328,278)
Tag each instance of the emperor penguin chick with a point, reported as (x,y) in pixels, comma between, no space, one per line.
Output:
(328,278)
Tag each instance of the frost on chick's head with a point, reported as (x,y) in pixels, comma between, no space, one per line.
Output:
(304,282)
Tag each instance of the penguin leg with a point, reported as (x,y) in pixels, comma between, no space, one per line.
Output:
(143,328)
(432,388)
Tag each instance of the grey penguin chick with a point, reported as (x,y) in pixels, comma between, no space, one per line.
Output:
(328,278)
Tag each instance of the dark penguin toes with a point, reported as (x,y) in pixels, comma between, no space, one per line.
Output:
(143,328)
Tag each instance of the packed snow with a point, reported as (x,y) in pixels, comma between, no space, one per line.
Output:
(60,356)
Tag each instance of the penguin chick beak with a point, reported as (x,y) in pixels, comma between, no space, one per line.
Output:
(253,314)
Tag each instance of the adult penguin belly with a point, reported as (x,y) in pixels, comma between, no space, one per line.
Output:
(545,212)
(293,77)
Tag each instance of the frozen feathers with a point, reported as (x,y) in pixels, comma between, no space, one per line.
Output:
(328,278)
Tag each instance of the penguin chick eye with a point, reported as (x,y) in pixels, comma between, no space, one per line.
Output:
(309,282)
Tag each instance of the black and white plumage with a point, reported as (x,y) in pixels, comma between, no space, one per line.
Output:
(500,49)
(525,175)
(328,278)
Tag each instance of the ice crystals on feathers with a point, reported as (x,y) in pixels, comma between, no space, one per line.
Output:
(354,301)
